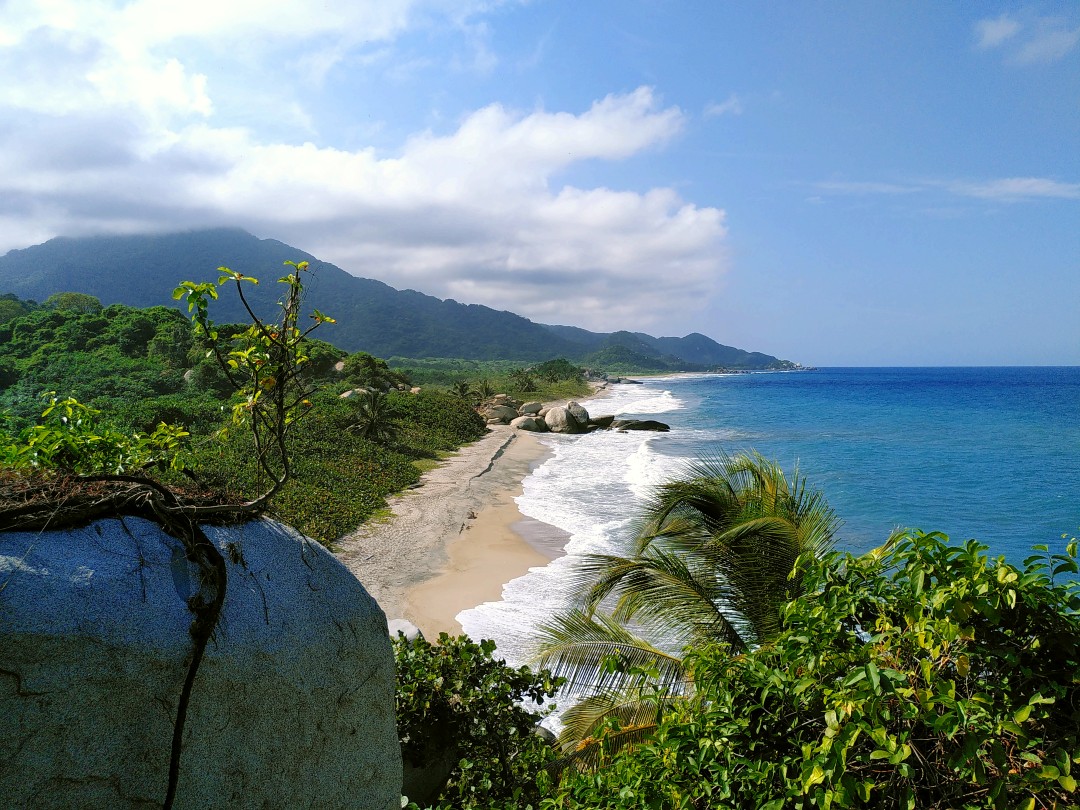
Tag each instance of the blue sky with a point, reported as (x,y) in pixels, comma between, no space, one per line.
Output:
(851,183)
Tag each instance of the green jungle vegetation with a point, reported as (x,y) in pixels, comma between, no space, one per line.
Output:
(141,367)
(923,674)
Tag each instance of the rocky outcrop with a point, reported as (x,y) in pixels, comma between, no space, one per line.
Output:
(560,420)
(530,408)
(569,418)
(639,424)
(581,416)
(533,424)
(499,414)
(292,706)
(601,422)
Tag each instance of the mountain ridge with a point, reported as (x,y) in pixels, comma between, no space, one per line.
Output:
(372,316)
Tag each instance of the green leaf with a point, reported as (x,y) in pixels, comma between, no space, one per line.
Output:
(963,666)
(817,775)
(874,676)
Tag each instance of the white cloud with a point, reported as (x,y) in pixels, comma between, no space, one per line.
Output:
(1041,40)
(1015,189)
(1006,189)
(731,106)
(109,124)
(992,33)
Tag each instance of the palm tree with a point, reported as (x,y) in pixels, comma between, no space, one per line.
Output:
(484,389)
(522,380)
(462,390)
(718,554)
(374,416)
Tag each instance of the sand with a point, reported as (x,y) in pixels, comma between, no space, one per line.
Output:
(450,544)
(453,542)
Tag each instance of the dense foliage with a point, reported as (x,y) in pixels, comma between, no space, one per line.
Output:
(117,359)
(128,370)
(11,306)
(921,675)
(454,697)
(475,381)
(719,554)
(434,421)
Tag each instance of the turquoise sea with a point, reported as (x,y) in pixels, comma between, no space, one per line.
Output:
(986,453)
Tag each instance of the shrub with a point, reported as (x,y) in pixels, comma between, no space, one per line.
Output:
(919,675)
(454,694)
(435,420)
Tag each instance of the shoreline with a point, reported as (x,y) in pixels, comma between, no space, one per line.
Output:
(454,541)
(487,553)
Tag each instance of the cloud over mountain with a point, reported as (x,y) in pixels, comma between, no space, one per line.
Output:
(114,123)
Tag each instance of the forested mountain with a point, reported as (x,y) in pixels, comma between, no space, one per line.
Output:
(142,271)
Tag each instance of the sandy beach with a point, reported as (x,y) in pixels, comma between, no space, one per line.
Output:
(453,542)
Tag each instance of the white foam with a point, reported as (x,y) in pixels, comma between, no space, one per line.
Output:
(632,400)
(662,403)
(646,469)
(592,487)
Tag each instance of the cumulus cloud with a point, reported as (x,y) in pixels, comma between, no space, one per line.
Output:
(111,126)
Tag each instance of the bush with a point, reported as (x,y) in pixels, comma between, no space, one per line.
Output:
(339,479)
(454,695)
(435,420)
(920,675)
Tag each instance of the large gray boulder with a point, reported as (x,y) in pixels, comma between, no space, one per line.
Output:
(530,408)
(581,416)
(560,420)
(502,413)
(293,705)
(531,423)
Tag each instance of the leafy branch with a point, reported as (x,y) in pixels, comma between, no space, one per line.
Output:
(264,364)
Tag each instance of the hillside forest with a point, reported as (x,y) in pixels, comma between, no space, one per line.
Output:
(140,367)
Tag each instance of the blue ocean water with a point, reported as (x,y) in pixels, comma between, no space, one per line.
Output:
(986,453)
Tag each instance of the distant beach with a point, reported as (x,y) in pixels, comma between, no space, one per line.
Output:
(453,542)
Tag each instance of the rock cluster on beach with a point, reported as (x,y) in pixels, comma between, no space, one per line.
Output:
(569,418)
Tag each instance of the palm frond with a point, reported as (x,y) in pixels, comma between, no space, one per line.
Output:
(677,597)
(631,708)
(593,651)
(601,725)
(592,753)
